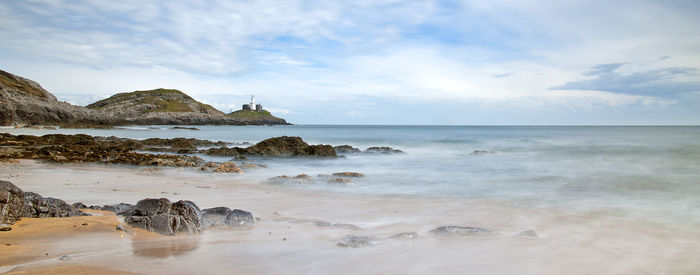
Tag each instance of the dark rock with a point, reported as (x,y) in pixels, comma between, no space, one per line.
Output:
(453,230)
(223,151)
(163,217)
(482,152)
(79,205)
(289,146)
(383,150)
(405,235)
(346,149)
(11,202)
(119,209)
(36,206)
(224,216)
(184,128)
(349,174)
(64,258)
(5,228)
(355,241)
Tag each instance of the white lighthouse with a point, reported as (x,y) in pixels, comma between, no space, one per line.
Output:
(252,103)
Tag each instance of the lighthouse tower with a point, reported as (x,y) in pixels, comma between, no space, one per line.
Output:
(252,103)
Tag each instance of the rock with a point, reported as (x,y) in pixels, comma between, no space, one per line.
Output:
(5,228)
(527,234)
(184,128)
(349,174)
(453,230)
(224,216)
(64,258)
(355,241)
(383,150)
(289,146)
(11,202)
(346,149)
(405,235)
(119,209)
(252,166)
(36,206)
(340,181)
(223,151)
(346,226)
(303,176)
(228,167)
(79,205)
(163,217)
(482,152)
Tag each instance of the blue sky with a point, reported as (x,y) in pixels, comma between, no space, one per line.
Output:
(374,62)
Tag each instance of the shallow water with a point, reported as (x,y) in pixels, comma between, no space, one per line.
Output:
(602,199)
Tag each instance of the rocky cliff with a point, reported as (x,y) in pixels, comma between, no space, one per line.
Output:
(25,102)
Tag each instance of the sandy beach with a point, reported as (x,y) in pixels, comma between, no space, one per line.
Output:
(297,231)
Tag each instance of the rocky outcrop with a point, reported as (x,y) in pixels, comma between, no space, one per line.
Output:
(11,203)
(36,206)
(289,146)
(349,174)
(25,102)
(163,217)
(224,216)
(346,149)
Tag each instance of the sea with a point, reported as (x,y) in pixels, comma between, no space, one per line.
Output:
(645,172)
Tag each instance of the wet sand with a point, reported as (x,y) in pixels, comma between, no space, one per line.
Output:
(293,236)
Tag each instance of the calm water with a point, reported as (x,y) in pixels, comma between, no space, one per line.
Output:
(637,171)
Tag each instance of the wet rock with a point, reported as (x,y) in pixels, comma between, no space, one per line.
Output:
(11,202)
(349,174)
(79,205)
(184,128)
(64,258)
(527,234)
(36,206)
(355,241)
(163,217)
(228,167)
(5,228)
(453,230)
(405,235)
(288,147)
(224,216)
(119,209)
(303,176)
(340,181)
(346,149)
(223,151)
(482,152)
(252,166)
(346,226)
(383,150)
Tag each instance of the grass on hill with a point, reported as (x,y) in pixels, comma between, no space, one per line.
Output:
(155,97)
(8,80)
(250,114)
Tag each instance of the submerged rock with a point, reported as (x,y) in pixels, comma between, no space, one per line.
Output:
(11,202)
(36,206)
(355,241)
(163,217)
(224,216)
(349,174)
(453,230)
(340,181)
(383,150)
(405,235)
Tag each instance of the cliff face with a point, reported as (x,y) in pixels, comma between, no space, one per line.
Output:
(23,101)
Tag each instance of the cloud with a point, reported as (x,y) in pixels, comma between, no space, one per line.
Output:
(662,82)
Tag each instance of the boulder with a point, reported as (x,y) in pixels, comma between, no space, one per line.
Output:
(223,151)
(166,218)
(288,147)
(36,206)
(120,208)
(349,174)
(224,216)
(346,149)
(11,202)
(228,167)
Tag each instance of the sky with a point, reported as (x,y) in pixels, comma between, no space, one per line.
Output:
(497,62)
